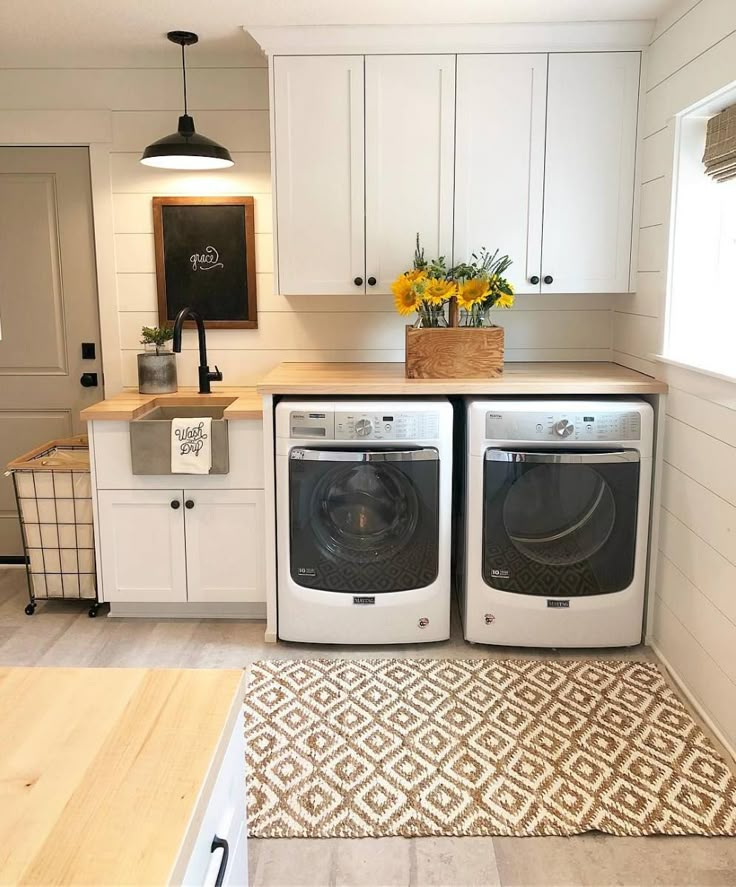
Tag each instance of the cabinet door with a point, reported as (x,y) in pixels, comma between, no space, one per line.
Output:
(225,545)
(409,133)
(499,160)
(592,109)
(319,160)
(142,545)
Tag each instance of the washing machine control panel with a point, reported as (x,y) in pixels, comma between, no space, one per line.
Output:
(360,425)
(568,426)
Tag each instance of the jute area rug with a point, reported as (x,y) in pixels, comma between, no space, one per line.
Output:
(415,747)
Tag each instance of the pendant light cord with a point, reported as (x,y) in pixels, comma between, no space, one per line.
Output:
(184,77)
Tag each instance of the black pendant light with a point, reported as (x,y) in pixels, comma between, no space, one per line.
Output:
(186,149)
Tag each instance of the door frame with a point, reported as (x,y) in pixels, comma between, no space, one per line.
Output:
(91,130)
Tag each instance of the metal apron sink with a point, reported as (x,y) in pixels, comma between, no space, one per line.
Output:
(150,437)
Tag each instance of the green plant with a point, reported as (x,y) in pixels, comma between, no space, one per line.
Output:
(157,336)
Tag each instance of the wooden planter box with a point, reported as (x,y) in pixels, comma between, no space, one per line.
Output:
(454,352)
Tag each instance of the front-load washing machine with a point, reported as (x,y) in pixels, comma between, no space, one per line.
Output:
(363,513)
(556,522)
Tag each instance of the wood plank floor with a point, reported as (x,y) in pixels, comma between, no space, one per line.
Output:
(62,634)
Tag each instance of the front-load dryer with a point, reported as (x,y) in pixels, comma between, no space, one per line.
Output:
(363,512)
(556,522)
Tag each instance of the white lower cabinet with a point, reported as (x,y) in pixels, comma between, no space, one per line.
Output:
(225,544)
(169,546)
(142,554)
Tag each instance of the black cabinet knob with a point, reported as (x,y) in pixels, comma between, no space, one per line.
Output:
(175,503)
(358,281)
(371,281)
(189,503)
(534,279)
(548,278)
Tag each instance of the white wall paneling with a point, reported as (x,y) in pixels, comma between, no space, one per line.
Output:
(694,606)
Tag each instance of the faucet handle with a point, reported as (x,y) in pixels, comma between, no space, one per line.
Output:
(216,376)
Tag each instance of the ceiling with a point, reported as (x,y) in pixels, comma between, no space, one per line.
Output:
(64,33)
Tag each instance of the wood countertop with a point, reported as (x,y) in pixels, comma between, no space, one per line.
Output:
(518,378)
(102,769)
(241,403)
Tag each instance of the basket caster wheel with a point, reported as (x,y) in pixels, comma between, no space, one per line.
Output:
(92,612)
(30,609)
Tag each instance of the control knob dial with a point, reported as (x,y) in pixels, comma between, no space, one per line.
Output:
(564,428)
(363,427)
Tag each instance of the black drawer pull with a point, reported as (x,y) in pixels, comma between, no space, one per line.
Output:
(372,281)
(220,844)
(549,279)
(189,503)
(175,503)
(534,279)
(358,281)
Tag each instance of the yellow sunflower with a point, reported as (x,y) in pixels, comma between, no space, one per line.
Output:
(405,298)
(439,291)
(505,300)
(471,292)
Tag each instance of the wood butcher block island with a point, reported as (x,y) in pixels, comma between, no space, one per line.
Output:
(538,379)
(121,775)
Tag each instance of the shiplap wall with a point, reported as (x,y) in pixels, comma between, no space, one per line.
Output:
(694,628)
(231,105)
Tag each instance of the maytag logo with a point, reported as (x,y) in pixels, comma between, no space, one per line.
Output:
(364,601)
(558,605)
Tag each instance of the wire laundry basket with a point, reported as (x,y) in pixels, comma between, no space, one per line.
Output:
(54,495)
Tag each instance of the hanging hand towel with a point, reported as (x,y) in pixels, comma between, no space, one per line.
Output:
(191,446)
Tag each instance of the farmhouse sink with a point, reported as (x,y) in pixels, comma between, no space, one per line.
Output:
(150,437)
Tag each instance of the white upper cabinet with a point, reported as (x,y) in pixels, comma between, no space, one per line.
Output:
(318,150)
(592,109)
(499,157)
(409,148)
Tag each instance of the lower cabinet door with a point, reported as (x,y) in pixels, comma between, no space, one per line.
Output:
(142,552)
(225,545)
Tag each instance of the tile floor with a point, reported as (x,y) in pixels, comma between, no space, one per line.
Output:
(62,634)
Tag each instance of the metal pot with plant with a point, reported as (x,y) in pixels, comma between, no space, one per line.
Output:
(157,364)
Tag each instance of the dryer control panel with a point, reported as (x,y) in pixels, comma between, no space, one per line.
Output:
(565,426)
(361,425)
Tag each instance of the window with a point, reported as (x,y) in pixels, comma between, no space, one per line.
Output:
(701,309)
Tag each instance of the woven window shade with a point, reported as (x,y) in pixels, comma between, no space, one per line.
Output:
(720,146)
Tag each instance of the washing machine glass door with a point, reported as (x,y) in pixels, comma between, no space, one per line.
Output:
(364,521)
(560,523)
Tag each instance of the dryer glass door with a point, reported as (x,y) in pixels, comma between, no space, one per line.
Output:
(364,522)
(560,524)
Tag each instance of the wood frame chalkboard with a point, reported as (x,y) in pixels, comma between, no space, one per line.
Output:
(205,259)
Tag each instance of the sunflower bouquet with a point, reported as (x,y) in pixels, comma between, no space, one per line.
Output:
(482,286)
(425,290)
(431,289)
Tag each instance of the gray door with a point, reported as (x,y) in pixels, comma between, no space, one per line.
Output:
(48,306)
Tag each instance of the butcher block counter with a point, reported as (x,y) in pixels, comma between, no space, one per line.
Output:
(240,403)
(121,775)
(538,379)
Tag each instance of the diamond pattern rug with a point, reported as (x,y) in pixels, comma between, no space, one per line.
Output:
(415,747)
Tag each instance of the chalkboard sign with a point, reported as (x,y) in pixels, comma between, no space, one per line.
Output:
(205,259)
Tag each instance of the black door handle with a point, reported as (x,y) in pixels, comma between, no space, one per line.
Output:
(220,844)
(175,503)
(88,380)
(358,281)
(549,279)
(189,503)
(371,281)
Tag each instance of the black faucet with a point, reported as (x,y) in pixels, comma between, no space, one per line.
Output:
(205,374)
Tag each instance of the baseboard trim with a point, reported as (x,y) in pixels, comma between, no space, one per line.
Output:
(692,699)
(249,611)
